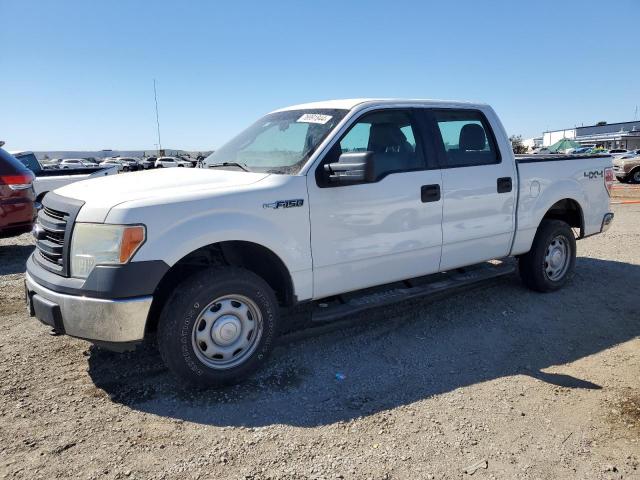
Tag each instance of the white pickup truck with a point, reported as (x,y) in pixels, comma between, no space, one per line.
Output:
(345,204)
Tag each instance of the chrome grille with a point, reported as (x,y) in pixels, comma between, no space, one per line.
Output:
(52,225)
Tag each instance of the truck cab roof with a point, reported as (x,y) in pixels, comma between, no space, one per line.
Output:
(351,103)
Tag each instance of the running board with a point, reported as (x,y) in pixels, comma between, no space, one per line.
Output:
(346,305)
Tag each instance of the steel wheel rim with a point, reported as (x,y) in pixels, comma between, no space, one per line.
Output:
(227,331)
(557,258)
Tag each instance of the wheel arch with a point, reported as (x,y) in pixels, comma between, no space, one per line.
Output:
(568,210)
(254,257)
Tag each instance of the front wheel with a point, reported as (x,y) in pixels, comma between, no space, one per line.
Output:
(218,327)
(635,176)
(552,258)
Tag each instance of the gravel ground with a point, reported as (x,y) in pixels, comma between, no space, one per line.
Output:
(497,382)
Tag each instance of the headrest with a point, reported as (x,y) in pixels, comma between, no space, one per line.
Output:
(472,137)
(385,135)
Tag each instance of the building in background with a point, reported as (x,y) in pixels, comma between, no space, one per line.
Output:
(532,143)
(610,135)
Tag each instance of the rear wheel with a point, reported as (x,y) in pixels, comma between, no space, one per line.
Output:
(218,327)
(551,261)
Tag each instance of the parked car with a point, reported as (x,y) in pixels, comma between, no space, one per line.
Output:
(344,205)
(50,164)
(627,168)
(168,162)
(618,152)
(17,198)
(74,163)
(48,180)
(581,151)
(631,154)
(541,151)
(146,163)
(130,164)
(188,159)
(113,163)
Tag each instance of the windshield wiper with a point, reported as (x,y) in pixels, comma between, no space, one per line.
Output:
(243,166)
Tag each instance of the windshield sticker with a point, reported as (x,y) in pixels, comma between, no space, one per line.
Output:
(314,118)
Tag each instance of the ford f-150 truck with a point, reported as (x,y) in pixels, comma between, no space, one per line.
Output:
(345,204)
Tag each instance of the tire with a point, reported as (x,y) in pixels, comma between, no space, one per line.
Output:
(634,177)
(552,258)
(201,320)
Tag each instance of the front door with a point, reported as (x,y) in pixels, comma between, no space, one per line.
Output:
(390,229)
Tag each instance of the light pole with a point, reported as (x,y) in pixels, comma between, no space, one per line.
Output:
(155,97)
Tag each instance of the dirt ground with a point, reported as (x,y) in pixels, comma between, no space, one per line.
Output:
(498,382)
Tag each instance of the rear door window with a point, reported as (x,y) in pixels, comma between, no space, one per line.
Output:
(466,138)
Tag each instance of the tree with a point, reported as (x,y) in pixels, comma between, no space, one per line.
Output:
(601,123)
(517,145)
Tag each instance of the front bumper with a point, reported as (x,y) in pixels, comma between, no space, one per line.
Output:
(95,319)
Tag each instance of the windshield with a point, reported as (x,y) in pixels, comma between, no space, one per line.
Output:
(280,142)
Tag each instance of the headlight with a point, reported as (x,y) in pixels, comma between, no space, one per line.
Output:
(98,244)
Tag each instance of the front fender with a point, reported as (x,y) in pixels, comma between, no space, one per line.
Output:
(285,232)
(183,237)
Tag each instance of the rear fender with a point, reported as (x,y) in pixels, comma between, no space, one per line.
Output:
(532,208)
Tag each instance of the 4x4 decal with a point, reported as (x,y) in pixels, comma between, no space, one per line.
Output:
(594,174)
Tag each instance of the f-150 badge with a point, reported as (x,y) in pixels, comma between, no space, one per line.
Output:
(284,204)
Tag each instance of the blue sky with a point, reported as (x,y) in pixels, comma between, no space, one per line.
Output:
(79,74)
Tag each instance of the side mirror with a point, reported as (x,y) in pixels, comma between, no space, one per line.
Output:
(352,167)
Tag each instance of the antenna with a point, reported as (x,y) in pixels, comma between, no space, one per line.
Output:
(155,96)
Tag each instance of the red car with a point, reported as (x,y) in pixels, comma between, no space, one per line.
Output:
(17,198)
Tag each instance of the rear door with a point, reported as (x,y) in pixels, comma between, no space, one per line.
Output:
(479,197)
(374,233)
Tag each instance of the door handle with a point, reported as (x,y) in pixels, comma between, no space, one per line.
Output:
(430,193)
(504,185)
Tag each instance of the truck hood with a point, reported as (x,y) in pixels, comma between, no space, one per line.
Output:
(102,194)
